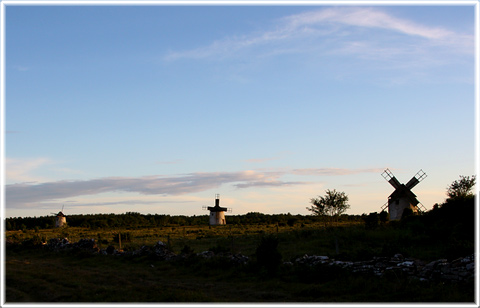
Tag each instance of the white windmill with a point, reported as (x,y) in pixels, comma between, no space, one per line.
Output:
(402,198)
(60,219)
(217,213)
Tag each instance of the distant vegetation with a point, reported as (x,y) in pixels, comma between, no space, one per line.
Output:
(136,220)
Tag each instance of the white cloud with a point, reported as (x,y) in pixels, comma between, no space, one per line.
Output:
(333,29)
(368,18)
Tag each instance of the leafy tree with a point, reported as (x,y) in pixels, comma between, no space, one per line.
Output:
(333,204)
(461,188)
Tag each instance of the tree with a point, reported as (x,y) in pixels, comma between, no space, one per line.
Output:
(333,204)
(461,188)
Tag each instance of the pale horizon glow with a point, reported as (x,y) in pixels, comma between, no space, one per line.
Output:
(155,109)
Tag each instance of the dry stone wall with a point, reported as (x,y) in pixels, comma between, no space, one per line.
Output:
(461,269)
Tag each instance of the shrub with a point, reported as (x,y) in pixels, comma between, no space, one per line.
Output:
(267,254)
(187,250)
(371,221)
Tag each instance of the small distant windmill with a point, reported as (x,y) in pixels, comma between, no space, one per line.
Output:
(403,197)
(61,219)
(217,213)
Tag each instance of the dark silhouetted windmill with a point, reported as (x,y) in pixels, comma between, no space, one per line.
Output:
(403,197)
(217,213)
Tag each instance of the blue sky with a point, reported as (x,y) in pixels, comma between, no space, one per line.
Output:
(155,109)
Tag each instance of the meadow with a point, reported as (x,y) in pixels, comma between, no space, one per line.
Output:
(34,274)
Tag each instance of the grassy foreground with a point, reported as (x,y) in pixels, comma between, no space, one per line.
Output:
(37,275)
(42,276)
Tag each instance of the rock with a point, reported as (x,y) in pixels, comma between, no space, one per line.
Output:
(161,250)
(458,270)
(206,254)
(86,244)
(397,257)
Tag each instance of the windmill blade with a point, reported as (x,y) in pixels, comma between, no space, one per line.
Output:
(421,207)
(385,206)
(388,175)
(417,178)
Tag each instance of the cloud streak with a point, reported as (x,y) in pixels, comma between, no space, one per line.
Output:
(28,194)
(20,170)
(334,171)
(311,31)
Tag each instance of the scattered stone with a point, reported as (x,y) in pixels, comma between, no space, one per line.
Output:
(461,269)
(234,258)
(161,251)
(458,270)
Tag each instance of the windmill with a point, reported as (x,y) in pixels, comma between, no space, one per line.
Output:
(61,219)
(217,213)
(403,197)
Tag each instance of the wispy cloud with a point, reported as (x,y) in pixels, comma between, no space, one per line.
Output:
(367,18)
(22,170)
(260,160)
(27,194)
(334,171)
(332,29)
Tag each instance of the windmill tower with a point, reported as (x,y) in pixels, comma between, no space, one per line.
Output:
(403,197)
(60,219)
(217,213)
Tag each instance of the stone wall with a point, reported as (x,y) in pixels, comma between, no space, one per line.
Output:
(461,269)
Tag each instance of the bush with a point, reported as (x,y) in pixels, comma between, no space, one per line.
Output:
(371,221)
(187,250)
(267,254)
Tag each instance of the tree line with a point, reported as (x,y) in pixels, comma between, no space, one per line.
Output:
(135,220)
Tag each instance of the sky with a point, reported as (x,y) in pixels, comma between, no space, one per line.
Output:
(157,108)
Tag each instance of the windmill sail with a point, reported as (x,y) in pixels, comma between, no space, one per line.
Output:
(417,178)
(388,175)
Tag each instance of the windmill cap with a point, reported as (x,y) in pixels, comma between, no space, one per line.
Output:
(217,208)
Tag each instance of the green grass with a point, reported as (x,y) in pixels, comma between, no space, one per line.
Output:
(346,242)
(37,275)
(42,276)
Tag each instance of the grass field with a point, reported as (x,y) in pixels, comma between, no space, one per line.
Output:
(41,276)
(38,275)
